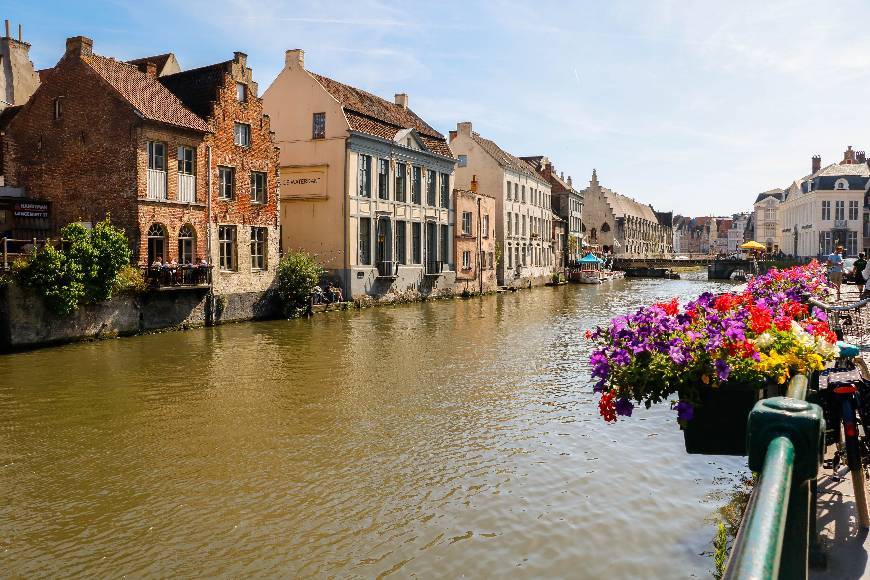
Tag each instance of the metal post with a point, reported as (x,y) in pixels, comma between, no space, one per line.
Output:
(5,255)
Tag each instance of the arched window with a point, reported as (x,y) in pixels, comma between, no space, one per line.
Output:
(186,244)
(605,227)
(841,184)
(156,243)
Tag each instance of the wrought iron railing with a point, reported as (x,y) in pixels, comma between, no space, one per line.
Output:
(387,269)
(434,267)
(177,276)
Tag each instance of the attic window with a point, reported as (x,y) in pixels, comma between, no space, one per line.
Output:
(58,108)
(241,92)
(463,161)
(318,126)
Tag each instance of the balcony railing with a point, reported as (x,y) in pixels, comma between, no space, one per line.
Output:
(179,276)
(387,269)
(186,188)
(156,184)
(434,267)
(841,224)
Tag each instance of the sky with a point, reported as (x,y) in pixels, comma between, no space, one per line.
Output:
(693,107)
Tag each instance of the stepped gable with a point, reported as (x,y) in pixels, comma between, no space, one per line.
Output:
(370,114)
(144,93)
(198,88)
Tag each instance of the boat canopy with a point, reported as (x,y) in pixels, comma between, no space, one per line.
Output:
(591,258)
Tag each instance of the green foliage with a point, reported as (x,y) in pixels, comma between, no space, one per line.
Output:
(85,270)
(720,551)
(298,273)
(57,278)
(129,280)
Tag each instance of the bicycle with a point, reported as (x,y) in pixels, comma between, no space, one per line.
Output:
(844,393)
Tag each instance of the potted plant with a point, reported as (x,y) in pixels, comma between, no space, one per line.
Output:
(714,357)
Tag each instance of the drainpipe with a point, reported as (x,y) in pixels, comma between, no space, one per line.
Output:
(210,310)
(480,258)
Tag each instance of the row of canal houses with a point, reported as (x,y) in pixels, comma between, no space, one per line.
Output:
(197,165)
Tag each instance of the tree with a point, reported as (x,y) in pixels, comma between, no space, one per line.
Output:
(298,273)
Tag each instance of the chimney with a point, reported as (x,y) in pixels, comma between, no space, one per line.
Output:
(240,58)
(464,128)
(569,181)
(452,135)
(79,45)
(848,156)
(20,33)
(402,100)
(7,29)
(474,183)
(294,58)
(817,163)
(861,157)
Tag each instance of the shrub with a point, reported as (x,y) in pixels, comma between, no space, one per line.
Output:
(85,270)
(298,273)
(130,280)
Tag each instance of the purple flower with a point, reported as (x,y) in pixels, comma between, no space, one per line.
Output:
(620,357)
(820,314)
(734,331)
(722,369)
(677,355)
(624,407)
(598,387)
(685,411)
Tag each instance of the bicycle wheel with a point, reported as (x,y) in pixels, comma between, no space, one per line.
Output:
(853,457)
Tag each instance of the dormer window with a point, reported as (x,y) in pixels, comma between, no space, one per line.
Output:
(58,108)
(241,92)
(841,184)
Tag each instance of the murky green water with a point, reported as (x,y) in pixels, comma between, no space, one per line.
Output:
(432,440)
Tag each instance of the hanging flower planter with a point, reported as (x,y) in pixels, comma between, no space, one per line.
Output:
(714,357)
(717,425)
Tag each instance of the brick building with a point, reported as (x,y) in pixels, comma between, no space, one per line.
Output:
(185,163)
(474,243)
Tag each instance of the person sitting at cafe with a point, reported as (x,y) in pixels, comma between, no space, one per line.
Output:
(158,262)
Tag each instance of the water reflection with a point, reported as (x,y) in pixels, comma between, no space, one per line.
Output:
(446,438)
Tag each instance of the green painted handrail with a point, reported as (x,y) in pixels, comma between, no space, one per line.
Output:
(758,547)
(784,438)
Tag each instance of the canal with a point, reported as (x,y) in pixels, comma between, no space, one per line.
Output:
(441,439)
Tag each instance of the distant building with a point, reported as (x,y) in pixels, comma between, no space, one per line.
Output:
(523,206)
(560,243)
(366,185)
(18,79)
(767,219)
(618,224)
(567,203)
(475,240)
(736,234)
(825,208)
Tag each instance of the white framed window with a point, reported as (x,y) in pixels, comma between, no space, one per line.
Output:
(365,175)
(839,210)
(509,224)
(826,210)
(383,178)
(242,134)
(258,187)
(186,244)
(156,155)
(463,160)
(259,237)
(466,260)
(226,182)
(485,226)
(853,209)
(227,248)
(365,241)
(241,92)
(466,223)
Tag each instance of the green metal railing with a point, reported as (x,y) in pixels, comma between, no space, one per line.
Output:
(785,441)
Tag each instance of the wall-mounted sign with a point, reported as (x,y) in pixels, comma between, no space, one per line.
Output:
(302,182)
(30,209)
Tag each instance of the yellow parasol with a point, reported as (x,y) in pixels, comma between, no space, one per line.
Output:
(752,245)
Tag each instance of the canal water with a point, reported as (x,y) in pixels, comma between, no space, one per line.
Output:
(445,439)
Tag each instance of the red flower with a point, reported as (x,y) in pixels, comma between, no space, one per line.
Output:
(795,309)
(588,334)
(607,406)
(759,318)
(725,302)
(670,308)
(782,323)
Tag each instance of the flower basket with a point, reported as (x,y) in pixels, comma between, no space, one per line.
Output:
(718,425)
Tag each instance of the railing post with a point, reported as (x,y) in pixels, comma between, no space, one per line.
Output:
(5,254)
(803,425)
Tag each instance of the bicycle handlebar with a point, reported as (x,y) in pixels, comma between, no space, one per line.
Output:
(845,307)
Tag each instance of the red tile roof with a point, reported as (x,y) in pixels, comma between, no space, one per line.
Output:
(145,93)
(370,114)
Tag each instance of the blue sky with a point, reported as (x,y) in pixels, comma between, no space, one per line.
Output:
(691,106)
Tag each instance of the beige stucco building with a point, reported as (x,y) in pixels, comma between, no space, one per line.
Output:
(475,240)
(767,223)
(620,225)
(523,216)
(826,208)
(365,185)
